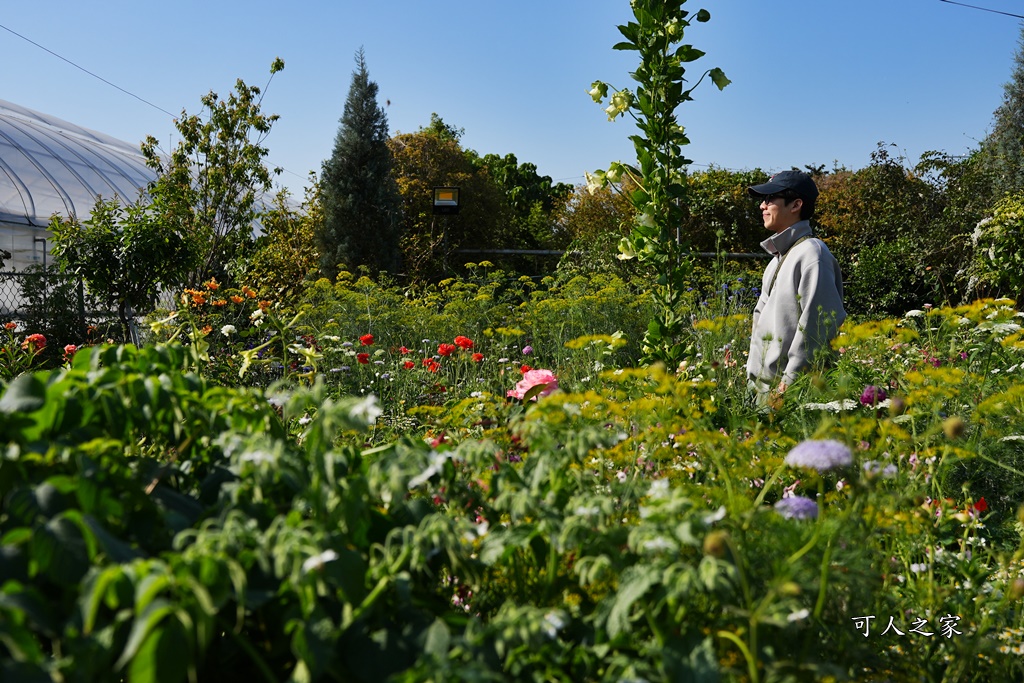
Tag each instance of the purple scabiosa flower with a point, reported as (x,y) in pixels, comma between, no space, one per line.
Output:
(820,455)
(527,350)
(872,395)
(797,507)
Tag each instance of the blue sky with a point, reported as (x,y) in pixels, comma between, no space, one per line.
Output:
(814,81)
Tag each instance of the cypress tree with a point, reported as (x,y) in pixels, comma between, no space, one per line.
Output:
(361,204)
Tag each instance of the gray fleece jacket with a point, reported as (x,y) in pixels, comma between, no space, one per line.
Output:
(802,311)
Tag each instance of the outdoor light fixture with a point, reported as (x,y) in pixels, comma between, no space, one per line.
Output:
(446,200)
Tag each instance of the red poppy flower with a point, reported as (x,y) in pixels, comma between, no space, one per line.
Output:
(366,340)
(402,350)
(408,365)
(431,364)
(363,358)
(981,505)
(477,357)
(446,349)
(524,369)
(463,342)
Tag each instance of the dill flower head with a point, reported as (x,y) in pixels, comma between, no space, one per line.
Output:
(820,455)
(797,507)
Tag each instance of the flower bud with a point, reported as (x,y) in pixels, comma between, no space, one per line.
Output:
(1017,589)
(897,406)
(954,427)
(716,543)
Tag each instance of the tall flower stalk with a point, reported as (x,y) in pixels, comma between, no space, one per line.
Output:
(659,195)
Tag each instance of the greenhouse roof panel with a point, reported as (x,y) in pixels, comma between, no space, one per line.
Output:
(50,166)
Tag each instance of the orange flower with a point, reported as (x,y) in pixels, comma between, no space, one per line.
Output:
(206,330)
(212,285)
(11,326)
(264,305)
(463,342)
(248,292)
(220,302)
(34,342)
(236,299)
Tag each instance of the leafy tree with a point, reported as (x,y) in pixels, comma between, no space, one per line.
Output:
(209,188)
(530,197)
(125,254)
(432,157)
(881,224)
(717,202)
(287,253)
(1004,146)
(361,205)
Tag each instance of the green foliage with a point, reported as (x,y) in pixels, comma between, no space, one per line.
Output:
(886,210)
(209,188)
(431,158)
(999,249)
(125,255)
(361,206)
(1003,148)
(661,88)
(286,254)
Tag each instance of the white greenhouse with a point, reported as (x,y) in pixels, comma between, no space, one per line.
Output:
(49,166)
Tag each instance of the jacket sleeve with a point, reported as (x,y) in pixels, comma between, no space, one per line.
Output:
(821,312)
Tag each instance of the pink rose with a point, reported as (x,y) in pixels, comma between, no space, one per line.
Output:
(532,378)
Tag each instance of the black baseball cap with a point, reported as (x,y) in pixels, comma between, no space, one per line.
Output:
(797,182)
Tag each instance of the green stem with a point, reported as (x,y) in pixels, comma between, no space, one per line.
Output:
(751,662)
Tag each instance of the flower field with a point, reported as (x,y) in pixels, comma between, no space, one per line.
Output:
(477,482)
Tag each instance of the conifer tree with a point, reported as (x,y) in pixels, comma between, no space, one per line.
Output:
(361,204)
(1004,146)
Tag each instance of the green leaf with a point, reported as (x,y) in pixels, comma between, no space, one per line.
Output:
(164,656)
(703,16)
(438,640)
(26,394)
(144,624)
(635,582)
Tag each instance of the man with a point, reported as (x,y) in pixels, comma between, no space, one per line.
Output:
(801,304)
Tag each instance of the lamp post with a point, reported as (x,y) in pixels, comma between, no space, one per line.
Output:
(446,203)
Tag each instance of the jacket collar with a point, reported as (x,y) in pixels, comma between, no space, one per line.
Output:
(780,243)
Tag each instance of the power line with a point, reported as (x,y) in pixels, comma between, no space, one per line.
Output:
(113,85)
(984,9)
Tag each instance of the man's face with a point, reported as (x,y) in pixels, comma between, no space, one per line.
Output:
(777,214)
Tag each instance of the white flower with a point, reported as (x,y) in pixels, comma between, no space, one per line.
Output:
(318,561)
(716,516)
(228,330)
(646,220)
(656,544)
(590,511)
(553,623)
(437,461)
(621,476)
(257,457)
(305,420)
(798,615)
(659,489)
(366,410)
(916,313)
(256,315)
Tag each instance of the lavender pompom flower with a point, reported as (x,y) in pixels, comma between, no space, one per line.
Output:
(872,395)
(797,507)
(820,455)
